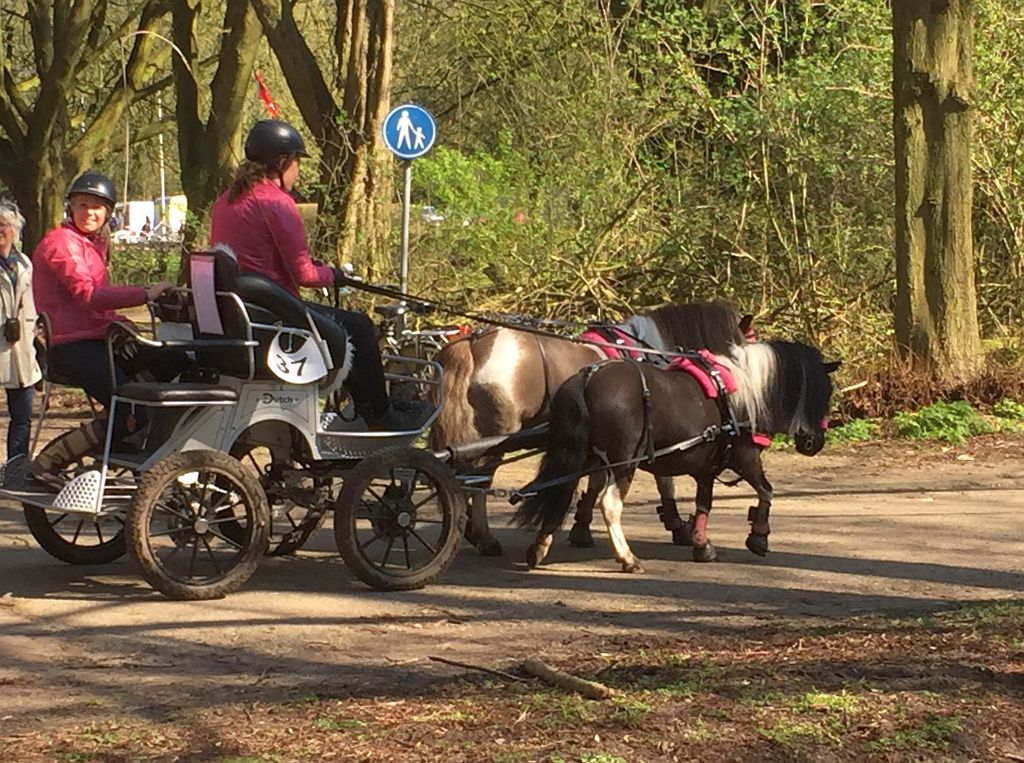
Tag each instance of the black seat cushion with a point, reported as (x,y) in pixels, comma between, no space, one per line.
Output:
(259,291)
(154,392)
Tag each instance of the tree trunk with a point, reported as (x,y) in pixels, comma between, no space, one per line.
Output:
(365,224)
(354,168)
(933,89)
(207,149)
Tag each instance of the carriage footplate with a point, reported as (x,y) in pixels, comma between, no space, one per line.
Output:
(82,495)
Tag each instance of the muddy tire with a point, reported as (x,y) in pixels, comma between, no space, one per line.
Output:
(399,519)
(174,525)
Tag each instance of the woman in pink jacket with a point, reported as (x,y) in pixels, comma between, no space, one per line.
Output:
(258,219)
(71,285)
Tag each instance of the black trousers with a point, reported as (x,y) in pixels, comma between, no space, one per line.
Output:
(85,364)
(365,381)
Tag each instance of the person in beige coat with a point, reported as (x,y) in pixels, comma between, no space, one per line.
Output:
(19,370)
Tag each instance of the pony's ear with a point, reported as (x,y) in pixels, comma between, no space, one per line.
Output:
(747,323)
(832,367)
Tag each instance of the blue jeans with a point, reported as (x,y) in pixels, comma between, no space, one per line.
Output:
(19,406)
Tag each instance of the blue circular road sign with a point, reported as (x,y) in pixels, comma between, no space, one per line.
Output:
(409,131)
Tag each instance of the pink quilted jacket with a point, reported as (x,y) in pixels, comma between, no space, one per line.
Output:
(71,285)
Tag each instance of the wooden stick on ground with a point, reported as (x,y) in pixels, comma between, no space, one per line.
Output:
(468,666)
(589,689)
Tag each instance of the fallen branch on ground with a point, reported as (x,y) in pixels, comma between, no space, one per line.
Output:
(567,681)
(481,668)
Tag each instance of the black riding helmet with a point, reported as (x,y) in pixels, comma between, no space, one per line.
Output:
(94,184)
(270,138)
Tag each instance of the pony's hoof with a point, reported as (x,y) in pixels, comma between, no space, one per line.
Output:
(705,553)
(489,547)
(533,556)
(757,544)
(633,567)
(580,536)
(683,535)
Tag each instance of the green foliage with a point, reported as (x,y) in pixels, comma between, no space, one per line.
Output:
(857,430)
(598,165)
(1009,410)
(949,422)
(141,264)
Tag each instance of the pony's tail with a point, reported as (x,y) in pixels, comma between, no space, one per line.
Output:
(456,423)
(567,454)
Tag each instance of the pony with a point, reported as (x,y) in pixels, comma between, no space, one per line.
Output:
(601,424)
(501,380)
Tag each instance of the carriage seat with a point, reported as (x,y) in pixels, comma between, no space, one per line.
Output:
(182,394)
(268,303)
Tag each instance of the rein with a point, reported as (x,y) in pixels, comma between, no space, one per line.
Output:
(524,324)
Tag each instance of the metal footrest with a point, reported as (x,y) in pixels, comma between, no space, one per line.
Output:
(76,497)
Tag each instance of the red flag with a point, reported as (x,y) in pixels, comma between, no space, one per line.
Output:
(268,100)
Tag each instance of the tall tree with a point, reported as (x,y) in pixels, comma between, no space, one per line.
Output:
(933,89)
(209,127)
(62,98)
(348,129)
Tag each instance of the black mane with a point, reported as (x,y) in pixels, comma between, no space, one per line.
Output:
(713,326)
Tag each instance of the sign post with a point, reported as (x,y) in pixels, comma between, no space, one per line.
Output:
(409,133)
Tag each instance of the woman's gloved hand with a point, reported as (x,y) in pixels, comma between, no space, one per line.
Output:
(341,278)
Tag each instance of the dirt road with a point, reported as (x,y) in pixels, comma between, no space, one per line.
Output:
(891,529)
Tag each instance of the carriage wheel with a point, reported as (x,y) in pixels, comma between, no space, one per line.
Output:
(298,504)
(399,518)
(175,525)
(73,538)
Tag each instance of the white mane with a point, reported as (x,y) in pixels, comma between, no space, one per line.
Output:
(754,367)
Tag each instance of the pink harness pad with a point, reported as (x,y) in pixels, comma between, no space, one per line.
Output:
(702,376)
(707,384)
(619,348)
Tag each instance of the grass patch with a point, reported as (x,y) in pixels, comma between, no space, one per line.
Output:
(332,723)
(631,712)
(933,732)
(824,702)
(557,709)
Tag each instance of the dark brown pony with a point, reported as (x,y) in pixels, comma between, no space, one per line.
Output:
(501,380)
(619,417)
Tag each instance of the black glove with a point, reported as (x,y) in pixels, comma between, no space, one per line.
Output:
(340,277)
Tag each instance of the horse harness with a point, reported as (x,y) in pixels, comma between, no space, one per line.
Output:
(730,428)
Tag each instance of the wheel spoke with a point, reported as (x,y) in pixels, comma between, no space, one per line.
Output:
(58,520)
(363,546)
(174,512)
(430,497)
(227,540)
(427,546)
(405,544)
(170,531)
(192,559)
(387,552)
(78,531)
(213,557)
(99,532)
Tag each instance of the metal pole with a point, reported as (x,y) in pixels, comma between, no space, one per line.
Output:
(163,181)
(403,272)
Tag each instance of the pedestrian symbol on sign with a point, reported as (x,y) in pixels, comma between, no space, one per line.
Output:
(409,131)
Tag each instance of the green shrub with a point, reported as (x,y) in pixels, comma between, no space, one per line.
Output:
(950,422)
(857,430)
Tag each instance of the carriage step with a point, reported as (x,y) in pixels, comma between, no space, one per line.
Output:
(45,497)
